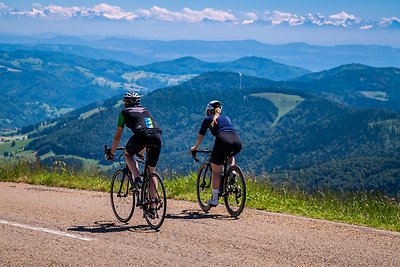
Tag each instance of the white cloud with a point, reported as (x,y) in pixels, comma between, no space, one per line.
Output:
(251,16)
(366,27)
(393,22)
(343,19)
(248,21)
(186,15)
(389,20)
(315,19)
(113,12)
(278,17)
(101,10)
(342,16)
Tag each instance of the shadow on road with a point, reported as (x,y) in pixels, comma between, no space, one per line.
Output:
(110,227)
(197,214)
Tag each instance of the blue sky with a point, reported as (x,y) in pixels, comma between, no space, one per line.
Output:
(313,21)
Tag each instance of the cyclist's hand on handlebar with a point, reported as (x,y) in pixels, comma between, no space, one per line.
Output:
(108,155)
(192,152)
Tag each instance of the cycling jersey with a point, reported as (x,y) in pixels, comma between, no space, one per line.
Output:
(138,119)
(227,142)
(145,132)
(223,124)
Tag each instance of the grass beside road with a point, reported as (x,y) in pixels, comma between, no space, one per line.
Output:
(364,209)
(57,176)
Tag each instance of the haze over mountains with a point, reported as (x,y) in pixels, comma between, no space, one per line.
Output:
(141,52)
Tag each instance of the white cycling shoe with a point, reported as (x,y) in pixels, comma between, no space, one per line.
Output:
(212,202)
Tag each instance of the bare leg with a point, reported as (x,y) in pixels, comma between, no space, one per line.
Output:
(132,164)
(216,176)
(153,185)
(231,161)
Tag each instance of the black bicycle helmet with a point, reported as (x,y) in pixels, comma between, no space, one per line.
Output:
(131,98)
(212,105)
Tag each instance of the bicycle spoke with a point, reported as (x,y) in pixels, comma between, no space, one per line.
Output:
(235,191)
(203,186)
(155,200)
(122,199)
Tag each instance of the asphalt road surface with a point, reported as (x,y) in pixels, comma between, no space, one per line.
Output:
(45,226)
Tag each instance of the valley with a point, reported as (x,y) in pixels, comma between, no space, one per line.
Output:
(336,119)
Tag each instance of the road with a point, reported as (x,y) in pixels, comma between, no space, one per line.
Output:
(46,226)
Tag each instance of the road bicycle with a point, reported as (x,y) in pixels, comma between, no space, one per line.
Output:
(232,185)
(125,194)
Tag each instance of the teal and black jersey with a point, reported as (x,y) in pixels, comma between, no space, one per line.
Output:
(138,119)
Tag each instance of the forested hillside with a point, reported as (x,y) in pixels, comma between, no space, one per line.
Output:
(356,85)
(41,85)
(316,133)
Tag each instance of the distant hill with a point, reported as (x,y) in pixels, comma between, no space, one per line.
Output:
(45,84)
(312,132)
(252,66)
(42,85)
(80,50)
(311,57)
(355,84)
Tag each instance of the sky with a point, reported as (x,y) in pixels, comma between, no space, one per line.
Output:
(324,22)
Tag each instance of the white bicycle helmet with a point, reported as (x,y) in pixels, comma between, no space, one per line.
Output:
(131,98)
(212,105)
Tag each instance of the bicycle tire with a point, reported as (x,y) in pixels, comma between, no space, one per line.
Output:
(154,181)
(121,196)
(204,186)
(234,192)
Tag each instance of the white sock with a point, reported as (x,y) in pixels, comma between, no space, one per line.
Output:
(215,193)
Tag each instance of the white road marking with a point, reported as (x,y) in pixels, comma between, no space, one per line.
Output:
(46,230)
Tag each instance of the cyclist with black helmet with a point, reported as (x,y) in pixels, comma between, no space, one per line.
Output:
(227,143)
(145,132)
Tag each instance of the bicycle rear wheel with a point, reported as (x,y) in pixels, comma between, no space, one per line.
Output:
(122,198)
(234,191)
(154,201)
(203,186)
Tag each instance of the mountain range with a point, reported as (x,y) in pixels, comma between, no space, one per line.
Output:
(356,85)
(71,81)
(141,52)
(337,128)
(284,131)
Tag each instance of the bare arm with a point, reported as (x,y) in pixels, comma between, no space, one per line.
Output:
(198,142)
(117,138)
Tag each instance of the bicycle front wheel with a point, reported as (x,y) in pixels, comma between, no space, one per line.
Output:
(234,191)
(121,196)
(203,186)
(154,201)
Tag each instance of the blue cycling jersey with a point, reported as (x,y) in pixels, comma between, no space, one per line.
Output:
(223,124)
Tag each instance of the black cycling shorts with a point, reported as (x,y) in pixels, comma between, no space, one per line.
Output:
(139,141)
(226,144)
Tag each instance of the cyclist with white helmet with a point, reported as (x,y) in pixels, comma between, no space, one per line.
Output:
(145,132)
(227,143)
